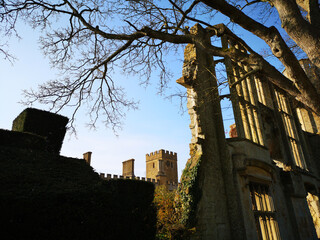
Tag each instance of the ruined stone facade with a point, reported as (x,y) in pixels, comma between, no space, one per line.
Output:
(263,182)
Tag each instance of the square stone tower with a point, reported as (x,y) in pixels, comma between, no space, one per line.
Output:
(162,165)
(128,168)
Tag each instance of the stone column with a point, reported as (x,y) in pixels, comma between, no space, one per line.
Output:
(207,190)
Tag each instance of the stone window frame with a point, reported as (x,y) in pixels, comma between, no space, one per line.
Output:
(264,92)
(291,130)
(244,97)
(264,211)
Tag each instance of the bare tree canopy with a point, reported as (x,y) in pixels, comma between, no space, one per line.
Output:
(87,39)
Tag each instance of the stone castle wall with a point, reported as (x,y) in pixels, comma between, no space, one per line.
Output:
(156,182)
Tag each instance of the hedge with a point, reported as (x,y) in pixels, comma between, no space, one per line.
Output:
(22,140)
(49,125)
(45,196)
(102,213)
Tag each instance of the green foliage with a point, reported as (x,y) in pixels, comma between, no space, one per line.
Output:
(45,196)
(169,226)
(176,211)
(189,192)
(166,214)
(49,125)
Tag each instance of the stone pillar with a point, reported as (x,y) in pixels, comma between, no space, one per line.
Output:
(87,157)
(207,191)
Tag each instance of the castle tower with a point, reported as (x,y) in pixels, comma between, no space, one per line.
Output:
(162,165)
(128,168)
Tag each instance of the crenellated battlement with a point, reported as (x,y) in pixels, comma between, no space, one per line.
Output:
(114,176)
(164,154)
(170,185)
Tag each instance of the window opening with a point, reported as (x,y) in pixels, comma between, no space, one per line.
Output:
(264,212)
(244,97)
(225,102)
(263,92)
(228,118)
(290,129)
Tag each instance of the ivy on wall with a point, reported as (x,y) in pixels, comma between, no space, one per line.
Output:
(189,193)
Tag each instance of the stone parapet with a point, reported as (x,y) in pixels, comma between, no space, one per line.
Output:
(170,185)
(161,154)
(114,176)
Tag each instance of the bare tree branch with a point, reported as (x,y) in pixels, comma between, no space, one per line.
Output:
(92,39)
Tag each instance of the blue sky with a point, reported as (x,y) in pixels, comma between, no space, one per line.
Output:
(157,124)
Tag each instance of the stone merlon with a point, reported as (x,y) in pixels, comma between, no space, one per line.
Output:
(161,154)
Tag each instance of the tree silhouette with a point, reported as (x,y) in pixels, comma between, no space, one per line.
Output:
(93,37)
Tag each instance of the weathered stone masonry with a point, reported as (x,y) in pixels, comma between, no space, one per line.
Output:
(263,183)
(207,185)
